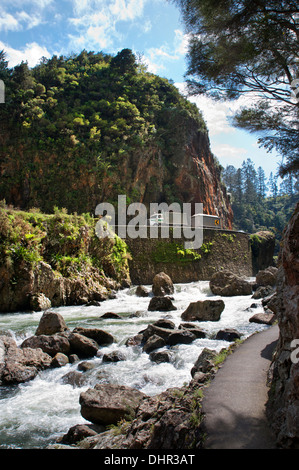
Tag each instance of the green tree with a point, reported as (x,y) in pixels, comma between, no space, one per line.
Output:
(261,183)
(124,61)
(239,186)
(229,178)
(22,77)
(273,186)
(240,47)
(287,186)
(4,70)
(249,181)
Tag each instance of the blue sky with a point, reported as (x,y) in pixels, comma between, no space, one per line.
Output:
(30,29)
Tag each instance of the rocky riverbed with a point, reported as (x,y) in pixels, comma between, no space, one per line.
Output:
(117,344)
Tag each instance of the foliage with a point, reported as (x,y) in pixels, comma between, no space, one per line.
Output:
(259,204)
(65,241)
(71,122)
(245,47)
(171,252)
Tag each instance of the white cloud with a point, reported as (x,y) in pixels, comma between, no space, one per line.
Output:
(181,42)
(119,10)
(40,4)
(157,58)
(29,21)
(17,15)
(224,151)
(126,10)
(96,21)
(8,22)
(32,53)
(217,114)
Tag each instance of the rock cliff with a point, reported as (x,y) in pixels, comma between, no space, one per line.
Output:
(188,174)
(283,404)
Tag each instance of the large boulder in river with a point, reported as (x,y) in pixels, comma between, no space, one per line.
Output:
(156,330)
(50,344)
(19,365)
(164,323)
(263,318)
(102,337)
(228,334)
(267,277)
(227,284)
(161,304)
(161,356)
(142,291)
(109,403)
(51,323)
(162,285)
(114,356)
(204,310)
(152,343)
(195,329)
(181,337)
(82,345)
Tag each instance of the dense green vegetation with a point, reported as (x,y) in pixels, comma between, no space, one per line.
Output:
(71,121)
(171,252)
(65,241)
(258,203)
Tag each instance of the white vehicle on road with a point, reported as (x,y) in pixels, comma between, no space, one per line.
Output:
(156,219)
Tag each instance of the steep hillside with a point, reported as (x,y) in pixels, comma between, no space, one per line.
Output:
(80,130)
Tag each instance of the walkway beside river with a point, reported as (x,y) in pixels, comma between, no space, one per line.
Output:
(234,403)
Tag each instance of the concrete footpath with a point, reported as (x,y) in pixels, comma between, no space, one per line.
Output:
(234,403)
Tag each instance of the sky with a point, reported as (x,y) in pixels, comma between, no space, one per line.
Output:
(32,29)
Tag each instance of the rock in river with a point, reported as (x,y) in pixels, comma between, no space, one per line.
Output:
(102,337)
(109,403)
(204,310)
(225,283)
(162,285)
(162,304)
(19,365)
(51,323)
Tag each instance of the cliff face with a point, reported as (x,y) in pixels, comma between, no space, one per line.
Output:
(190,174)
(283,405)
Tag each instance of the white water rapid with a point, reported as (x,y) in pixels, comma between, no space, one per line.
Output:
(34,414)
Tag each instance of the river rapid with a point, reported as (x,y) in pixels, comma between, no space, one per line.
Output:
(35,414)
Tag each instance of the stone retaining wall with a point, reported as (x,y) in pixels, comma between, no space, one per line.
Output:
(220,250)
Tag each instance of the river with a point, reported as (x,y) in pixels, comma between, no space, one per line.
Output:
(35,414)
